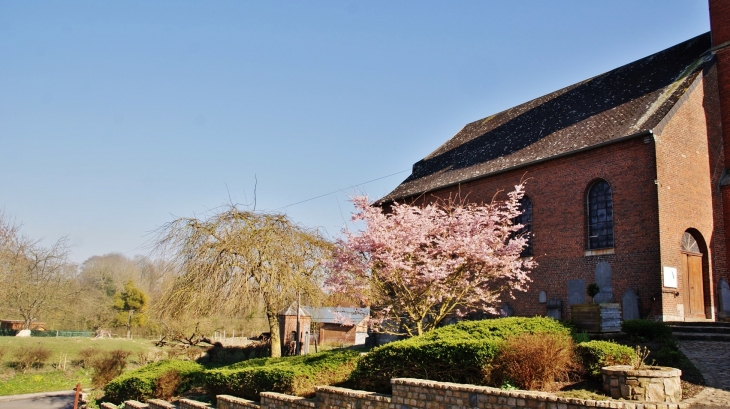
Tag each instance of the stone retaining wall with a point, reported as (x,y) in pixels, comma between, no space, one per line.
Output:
(418,394)
(135,405)
(192,404)
(273,400)
(232,402)
(333,397)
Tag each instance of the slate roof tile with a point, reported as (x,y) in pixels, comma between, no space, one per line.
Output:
(619,103)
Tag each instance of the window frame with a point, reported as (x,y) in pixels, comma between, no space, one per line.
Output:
(600,234)
(525,205)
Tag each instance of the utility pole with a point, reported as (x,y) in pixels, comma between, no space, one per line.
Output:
(299,334)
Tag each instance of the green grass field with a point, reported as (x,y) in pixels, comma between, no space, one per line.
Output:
(62,370)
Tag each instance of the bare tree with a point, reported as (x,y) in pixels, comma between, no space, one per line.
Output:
(33,279)
(229,261)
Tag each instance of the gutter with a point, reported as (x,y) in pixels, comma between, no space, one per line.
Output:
(647,132)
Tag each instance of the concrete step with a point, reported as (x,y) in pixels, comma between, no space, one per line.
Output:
(714,324)
(701,329)
(699,336)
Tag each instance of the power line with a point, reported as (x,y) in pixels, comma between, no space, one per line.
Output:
(341,190)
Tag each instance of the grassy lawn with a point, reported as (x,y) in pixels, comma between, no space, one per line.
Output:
(52,376)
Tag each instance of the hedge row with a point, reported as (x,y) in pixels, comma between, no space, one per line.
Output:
(455,353)
(291,375)
(646,330)
(140,384)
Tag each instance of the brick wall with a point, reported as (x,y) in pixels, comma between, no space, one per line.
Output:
(159,404)
(232,402)
(422,394)
(719,112)
(192,404)
(288,325)
(557,189)
(274,400)
(689,165)
(720,21)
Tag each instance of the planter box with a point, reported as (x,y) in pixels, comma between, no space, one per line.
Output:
(651,383)
(596,317)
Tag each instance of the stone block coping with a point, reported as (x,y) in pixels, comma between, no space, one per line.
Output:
(297,400)
(192,404)
(652,371)
(351,393)
(160,404)
(226,401)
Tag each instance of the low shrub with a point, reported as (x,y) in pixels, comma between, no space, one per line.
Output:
(460,361)
(218,354)
(670,356)
(535,361)
(297,375)
(460,353)
(646,330)
(27,357)
(167,384)
(144,358)
(86,355)
(140,384)
(596,354)
(501,328)
(108,366)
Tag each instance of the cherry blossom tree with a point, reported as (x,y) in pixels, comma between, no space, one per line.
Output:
(416,265)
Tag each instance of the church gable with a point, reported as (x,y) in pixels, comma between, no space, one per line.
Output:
(622,102)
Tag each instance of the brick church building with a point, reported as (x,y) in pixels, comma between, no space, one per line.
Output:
(628,168)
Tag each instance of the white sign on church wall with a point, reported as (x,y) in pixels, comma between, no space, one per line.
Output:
(670,277)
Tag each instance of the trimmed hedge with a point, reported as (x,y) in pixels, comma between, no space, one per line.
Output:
(647,330)
(459,353)
(596,354)
(291,375)
(140,384)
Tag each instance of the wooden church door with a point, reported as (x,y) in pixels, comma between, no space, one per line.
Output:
(694,295)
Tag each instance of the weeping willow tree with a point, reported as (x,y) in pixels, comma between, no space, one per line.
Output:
(230,261)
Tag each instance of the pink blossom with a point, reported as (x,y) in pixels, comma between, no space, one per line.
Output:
(417,265)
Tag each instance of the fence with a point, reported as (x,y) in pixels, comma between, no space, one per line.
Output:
(34,333)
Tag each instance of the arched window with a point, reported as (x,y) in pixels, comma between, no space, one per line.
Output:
(600,216)
(689,243)
(525,219)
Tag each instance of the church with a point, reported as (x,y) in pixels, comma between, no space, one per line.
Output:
(627,182)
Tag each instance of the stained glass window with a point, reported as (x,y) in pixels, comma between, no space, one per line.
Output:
(600,216)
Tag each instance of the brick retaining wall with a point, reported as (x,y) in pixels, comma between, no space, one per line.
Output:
(232,402)
(333,397)
(192,404)
(418,394)
(274,400)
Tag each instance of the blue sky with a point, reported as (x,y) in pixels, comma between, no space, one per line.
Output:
(116,117)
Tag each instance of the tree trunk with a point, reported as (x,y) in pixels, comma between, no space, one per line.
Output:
(274,329)
(129,324)
(26,322)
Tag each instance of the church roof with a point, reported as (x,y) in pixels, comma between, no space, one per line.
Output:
(292,310)
(626,101)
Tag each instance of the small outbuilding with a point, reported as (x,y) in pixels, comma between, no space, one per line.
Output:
(340,325)
(17,325)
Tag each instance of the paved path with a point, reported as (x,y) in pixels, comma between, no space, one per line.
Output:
(54,400)
(712,358)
